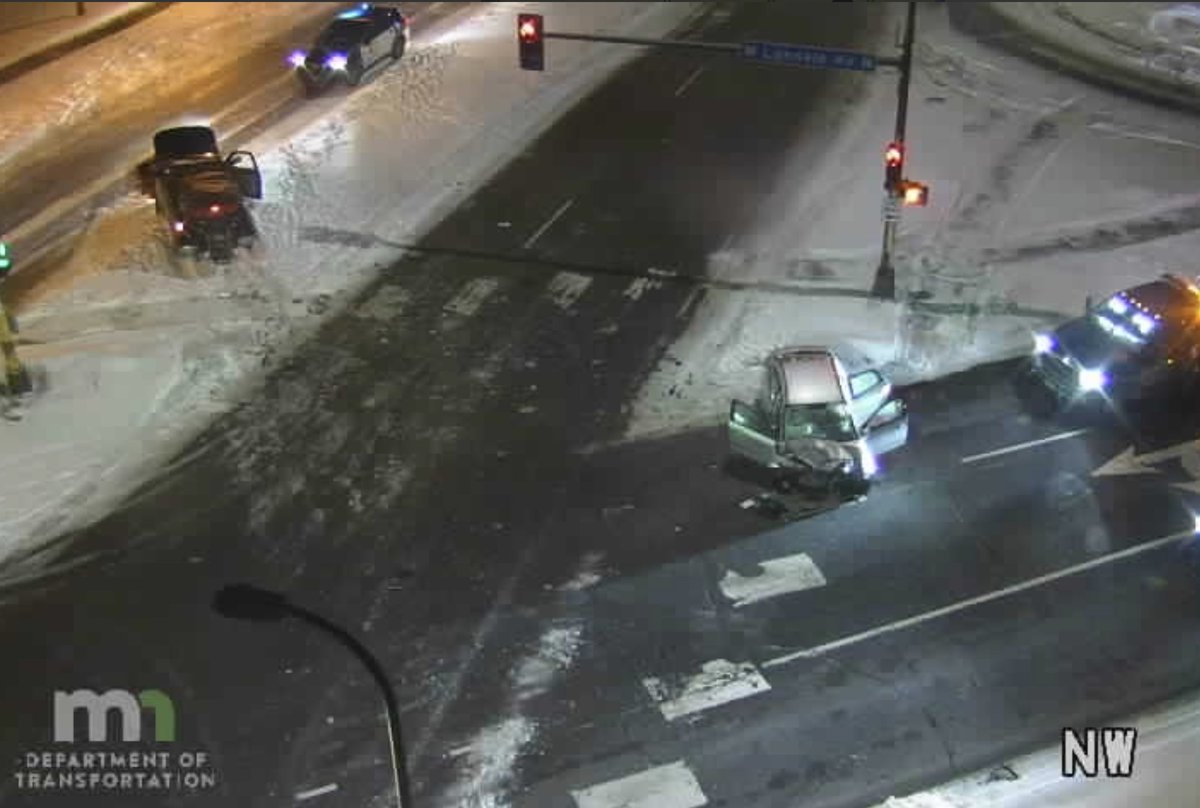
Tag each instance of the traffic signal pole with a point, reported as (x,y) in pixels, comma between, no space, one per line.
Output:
(885,276)
(15,379)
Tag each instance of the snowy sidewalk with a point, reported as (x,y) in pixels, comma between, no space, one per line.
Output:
(1151,49)
(30,46)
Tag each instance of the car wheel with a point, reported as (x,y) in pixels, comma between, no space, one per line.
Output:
(398,45)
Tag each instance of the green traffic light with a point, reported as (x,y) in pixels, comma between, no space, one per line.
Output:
(5,260)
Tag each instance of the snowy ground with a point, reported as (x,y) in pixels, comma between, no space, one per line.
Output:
(1042,192)
(130,349)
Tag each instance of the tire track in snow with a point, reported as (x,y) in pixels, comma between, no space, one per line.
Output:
(1107,235)
(1012,173)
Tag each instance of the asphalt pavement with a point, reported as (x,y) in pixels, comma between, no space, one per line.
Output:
(438,473)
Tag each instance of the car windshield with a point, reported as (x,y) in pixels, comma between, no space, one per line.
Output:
(827,421)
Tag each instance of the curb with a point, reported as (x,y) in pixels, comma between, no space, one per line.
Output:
(1044,46)
(56,49)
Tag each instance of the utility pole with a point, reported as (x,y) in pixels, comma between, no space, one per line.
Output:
(885,275)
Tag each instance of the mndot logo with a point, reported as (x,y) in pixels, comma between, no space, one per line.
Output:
(133,725)
(97,707)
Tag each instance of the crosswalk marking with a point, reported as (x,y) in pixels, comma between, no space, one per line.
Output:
(566,287)
(471,296)
(669,786)
(718,682)
(779,576)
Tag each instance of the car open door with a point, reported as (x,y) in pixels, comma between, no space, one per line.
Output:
(887,429)
(868,392)
(245,169)
(751,434)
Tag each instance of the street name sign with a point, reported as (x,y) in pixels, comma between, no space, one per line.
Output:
(807,56)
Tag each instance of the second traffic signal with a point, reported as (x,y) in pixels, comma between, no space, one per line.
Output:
(531,42)
(914,193)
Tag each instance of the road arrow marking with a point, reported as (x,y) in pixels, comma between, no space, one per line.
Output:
(1128,462)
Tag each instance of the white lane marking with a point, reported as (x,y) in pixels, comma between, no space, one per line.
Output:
(718,682)
(471,296)
(639,286)
(566,287)
(1019,446)
(688,81)
(547,224)
(1108,128)
(908,622)
(779,576)
(687,304)
(316,792)
(669,786)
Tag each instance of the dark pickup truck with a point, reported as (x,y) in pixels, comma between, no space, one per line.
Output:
(1141,343)
(199,195)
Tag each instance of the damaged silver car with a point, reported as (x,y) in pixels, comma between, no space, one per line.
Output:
(820,421)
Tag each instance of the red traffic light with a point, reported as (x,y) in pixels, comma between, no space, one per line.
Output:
(914,193)
(530,42)
(894,155)
(529,27)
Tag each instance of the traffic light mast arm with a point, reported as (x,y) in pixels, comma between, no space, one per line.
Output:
(729,47)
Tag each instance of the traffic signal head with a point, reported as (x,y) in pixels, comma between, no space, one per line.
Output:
(530,41)
(5,259)
(915,193)
(893,162)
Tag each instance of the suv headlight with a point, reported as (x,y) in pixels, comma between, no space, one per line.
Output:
(1092,379)
(1043,343)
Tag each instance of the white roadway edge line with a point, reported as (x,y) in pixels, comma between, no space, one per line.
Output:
(546,226)
(908,622)
(316,792)
(688,81)
(1027,445)
(683,310)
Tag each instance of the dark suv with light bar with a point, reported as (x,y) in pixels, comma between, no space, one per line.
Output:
(1142,343)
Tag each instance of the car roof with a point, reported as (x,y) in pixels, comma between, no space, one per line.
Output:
(811,375)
